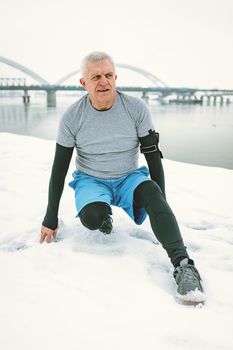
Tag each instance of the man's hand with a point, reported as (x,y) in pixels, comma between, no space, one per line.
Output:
(47,234)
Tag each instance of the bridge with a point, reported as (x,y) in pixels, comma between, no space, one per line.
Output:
(159,90)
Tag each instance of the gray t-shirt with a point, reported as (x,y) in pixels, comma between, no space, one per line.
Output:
(106,142)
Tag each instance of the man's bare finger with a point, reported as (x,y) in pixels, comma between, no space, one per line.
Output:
(42,237)
(49,237)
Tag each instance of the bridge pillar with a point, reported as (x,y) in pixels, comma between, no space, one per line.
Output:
(145,97)
(51,98)
(26,97)
(207,97)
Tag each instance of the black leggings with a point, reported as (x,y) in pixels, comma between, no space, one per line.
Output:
(163,222)
(162,219)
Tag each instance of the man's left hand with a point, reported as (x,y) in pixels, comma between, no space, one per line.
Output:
(47,234)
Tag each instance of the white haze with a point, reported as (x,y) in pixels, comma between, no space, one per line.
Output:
(184,43)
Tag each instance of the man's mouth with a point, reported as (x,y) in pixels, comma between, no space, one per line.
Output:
(104,90)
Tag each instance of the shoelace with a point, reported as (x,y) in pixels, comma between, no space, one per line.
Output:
(190,274)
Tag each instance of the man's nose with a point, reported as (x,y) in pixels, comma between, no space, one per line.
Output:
(103,80)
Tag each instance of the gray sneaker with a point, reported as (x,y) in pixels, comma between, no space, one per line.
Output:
(189,282)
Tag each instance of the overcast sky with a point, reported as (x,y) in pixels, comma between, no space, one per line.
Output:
(183,42)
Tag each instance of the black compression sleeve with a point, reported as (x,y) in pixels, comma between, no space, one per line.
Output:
(154,161)
(59,170)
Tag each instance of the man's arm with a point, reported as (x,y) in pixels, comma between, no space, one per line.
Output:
(150,149)
(59,170)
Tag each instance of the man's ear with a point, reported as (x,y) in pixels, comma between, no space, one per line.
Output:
(82,82)
(116,77)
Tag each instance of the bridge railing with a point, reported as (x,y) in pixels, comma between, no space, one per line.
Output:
(12,82)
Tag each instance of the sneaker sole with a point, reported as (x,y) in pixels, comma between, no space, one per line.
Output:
(192,298)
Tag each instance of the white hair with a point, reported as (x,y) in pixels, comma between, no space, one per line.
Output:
(95,56)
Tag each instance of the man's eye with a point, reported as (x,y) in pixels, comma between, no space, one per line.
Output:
(96,77)
(109,75)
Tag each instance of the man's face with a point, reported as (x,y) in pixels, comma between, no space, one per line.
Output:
(100,82)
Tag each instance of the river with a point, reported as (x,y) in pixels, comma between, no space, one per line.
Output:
(198,134)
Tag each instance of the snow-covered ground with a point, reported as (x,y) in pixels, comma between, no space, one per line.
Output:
(88,291)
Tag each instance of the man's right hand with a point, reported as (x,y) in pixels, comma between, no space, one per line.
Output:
(47,234)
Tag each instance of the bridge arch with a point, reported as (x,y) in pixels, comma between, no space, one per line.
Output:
(23,69)
(212,97)
(155,80)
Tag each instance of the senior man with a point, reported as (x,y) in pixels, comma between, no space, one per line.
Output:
(107,128)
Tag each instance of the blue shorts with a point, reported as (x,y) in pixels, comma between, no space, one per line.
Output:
(118,192)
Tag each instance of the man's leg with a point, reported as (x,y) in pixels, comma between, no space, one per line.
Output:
(166,230)
(96,216)
(162,219)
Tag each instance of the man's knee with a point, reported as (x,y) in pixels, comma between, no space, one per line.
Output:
(145,192)
(93,214)
(149,195)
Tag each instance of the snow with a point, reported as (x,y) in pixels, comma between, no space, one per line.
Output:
(192,297)
(90,291)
